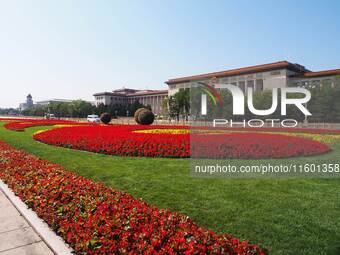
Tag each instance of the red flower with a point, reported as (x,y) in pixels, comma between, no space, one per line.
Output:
(95,219)
(122,140)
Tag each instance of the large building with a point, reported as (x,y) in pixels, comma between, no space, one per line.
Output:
(260,77)
(125,96)
(28,104)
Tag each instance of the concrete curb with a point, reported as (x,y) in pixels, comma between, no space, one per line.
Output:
(54,242)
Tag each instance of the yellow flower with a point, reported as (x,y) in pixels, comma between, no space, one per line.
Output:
(174,131)
(39,131)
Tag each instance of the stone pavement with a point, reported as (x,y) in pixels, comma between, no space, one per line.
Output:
(17,237)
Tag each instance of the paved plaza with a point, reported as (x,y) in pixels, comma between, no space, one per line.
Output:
(16,235)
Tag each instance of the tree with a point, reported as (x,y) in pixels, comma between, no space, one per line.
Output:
(178,104)
(132,108)
(164,105)
(101,108)
(9,111)
(182,99)
(172,106)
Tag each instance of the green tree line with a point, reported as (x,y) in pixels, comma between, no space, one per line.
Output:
(80,109)
(9,111)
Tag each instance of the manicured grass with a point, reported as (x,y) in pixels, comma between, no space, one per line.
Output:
(288,216)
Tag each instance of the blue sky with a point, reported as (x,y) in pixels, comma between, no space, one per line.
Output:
(72,49)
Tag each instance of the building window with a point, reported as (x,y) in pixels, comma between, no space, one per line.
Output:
(242,85)
(250,84)
(259,85)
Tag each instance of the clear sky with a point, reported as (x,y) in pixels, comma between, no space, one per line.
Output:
(71,49)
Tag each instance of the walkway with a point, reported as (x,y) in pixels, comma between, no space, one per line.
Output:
(16,235)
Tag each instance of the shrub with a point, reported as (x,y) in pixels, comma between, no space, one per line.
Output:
(105,117)
(137,113)
(145,117)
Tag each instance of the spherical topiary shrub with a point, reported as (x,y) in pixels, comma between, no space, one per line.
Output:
(145,117)
(105,118)
(137,113)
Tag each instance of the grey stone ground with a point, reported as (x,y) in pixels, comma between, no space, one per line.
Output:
(17,237)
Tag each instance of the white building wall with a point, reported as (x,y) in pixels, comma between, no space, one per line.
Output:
(154,100)
(102,99)
(275,79)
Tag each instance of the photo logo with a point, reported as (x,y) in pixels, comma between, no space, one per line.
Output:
(239,99)
(213,94)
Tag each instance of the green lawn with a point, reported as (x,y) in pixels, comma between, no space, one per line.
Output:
(294,216)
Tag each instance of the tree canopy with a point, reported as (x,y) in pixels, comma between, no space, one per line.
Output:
(80,109)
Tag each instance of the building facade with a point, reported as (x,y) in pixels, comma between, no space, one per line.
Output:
(260,77)
(125,96)
(28,104)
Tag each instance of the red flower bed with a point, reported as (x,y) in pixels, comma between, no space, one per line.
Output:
(95,219)
(20,125)
(121,140)
(254,146)
(118,140)
(275,129)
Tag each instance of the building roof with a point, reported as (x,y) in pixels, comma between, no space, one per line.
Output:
(131,92)
(318,74)
(148,92)
(244,70)
(103,94)
(124,90)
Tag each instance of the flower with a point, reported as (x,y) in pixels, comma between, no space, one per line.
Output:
(21,124)
(162,141)
(95,219)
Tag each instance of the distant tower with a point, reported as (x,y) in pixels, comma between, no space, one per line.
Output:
(29,101)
